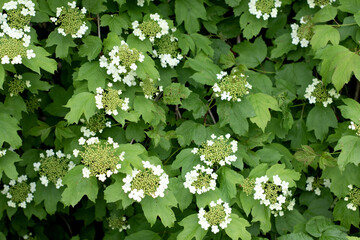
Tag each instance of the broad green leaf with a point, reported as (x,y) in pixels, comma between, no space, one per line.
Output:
(283,45)
(350,6)
(78,186)
(147,69)
(145,107)
(132,155)
(262,214)
(7,164)
(42,130)
(191,131)
(324,34)
(346,216)
(174,93)
(287,175)
(79,104)
(295,236)
(40,61)
(114,193)
(189,12)
(62,43)
(160,207)
(62,131)
(192,229)
(233,3)
(94,74)
(91,48)
(247,202)
(110,41)
(35,82)
(236,229)
(50,195)
(229,180)
(320,119)
(94,6)
(262,103)
(205,69)
(2,76)
(8,131)
(350,151)
(317,225)
(185,160)
(251,54)
(338,65)
(143,46)
(115,22)
(182,194)
(202,43)
(143,234)
(325,14)
(357,17)
(194,104)
(251,25)
(14,106)
(351,110)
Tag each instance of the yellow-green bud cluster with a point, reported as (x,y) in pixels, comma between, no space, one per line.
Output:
(200,180)
(71,20)
(121,64)
(232,87)
(317,92)
(155,27)
(315,184)
(167,50)
(218,150)
(118,223)
(19,192)
(149,88)
(101,158)
(17,85)
(302,34)
(217,216)
(13,50)
(353,198)
(319,3)
(53,167)
(110,101)
(33,103)
(96,123)
(248,186)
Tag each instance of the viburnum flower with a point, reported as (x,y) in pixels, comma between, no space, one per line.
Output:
(217,216)
(155,27)
(151,181)
(264,8)
(200,180)
(320,3)
(53,167)
(118,223)
(14,50)
(302,34)
(353,197)
(248,186)
(275,195)
(96,123)
(231,87)
(218,150)
(140,3)
(33,103)
(71,20)
(101,158)
(315,184)
(2,152)
(149,88)
(17,85)
(167,50)
(15,22)
(121,64)
(110,101)
(317,93)
(19,192)
(29,237)
(355,127)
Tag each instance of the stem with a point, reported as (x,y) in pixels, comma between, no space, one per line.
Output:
(357,91)
(298,105)
(98,25)
(177,112)
(212,116)
(172,155)
(302,111)
(132,141)
(344,25)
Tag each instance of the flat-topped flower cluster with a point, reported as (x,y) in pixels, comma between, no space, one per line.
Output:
(315,184)
(200,180)
(264,8)
(110,101)
(317,93)
(319,3)
(302,34)
(19,192)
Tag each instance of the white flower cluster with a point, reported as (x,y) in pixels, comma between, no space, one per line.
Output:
(119,68)
(316,92)
(19,190)
(218,209)
(353,197)
(278,202)
(14,41)
(168,60)
(311,184)
(217,151)
(111,102)
(320,3)
(166,49)
(355,127)
(301,34)
(161,24)
(53,168)
(200,180)
(2,153)
(139,194)
(140,3)
(264,8)
(62,14)
(87,132)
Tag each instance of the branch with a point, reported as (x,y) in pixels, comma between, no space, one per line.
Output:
(98,25)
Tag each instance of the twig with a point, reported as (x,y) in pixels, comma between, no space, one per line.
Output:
(98,25)
(67,225)
(158,97)
(238,39)
(212,116)
(177,112)
(132,141)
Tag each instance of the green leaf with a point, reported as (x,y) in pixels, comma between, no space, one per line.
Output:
(8,131)
(262,103)
(351,110)
(114,193)
(61,131)
(94,74)
(236,229)
(345,216)
(350,150)
(287,175)
(203,44)
(7,164)
(43,130)
(317,225)
(14,106)
(357,17)
(283,45)
(50,195)
(189,11)
(323,34)
(62,43)
(228,180)
(194,104)
(205,69)
(320,119)
(40,61)
(182,194)
(94,6)
(147,69)
(338,65)
(36,84)
(143,234)
(325,14)
(145,107)
(91,48)
(191,131)
(233,3)
(262,214)
(251,54)
(192,229)
(115,22)
(251,25)
(350,6)
(185,160)
(295,236)
(79,104)
(174,93)
(143,46)
(110,41)
(160,207)
(2,76)
(78,186)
